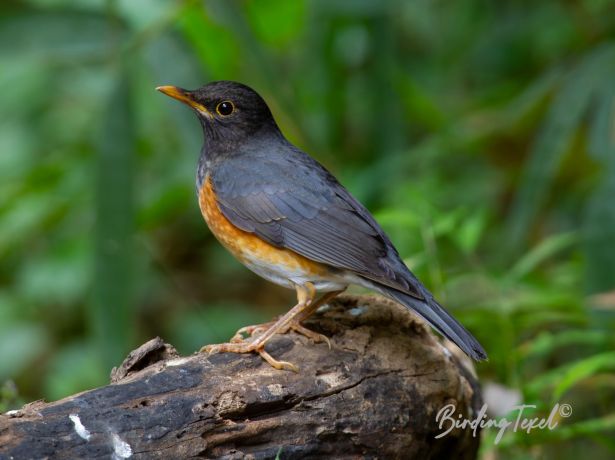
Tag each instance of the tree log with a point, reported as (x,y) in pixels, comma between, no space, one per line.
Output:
(375,394)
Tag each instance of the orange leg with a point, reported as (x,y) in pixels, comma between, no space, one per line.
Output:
(305,296)
(295,325)
(315,336)
(304,308)
(249,331)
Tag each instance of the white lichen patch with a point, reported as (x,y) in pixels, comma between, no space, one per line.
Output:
(121,449)
(178,361)
(332,379)
(230,402)
(275,389)
(81,430)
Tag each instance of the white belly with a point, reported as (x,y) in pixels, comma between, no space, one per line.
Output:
(289,277)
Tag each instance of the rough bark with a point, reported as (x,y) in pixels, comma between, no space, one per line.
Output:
(375,394)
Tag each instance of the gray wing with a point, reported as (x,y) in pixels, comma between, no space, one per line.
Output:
(297,204)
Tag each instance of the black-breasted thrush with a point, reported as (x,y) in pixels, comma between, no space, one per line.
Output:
(285,217)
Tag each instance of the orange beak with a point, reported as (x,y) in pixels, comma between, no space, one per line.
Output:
(183,96)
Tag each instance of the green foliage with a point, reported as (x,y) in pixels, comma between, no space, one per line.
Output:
(481,134)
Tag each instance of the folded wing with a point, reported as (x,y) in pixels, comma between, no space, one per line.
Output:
(310,213)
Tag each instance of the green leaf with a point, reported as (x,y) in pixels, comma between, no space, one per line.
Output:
(565,114)
(549,342)
(599,212)
(398,217)
(468,234)
(201,32)
(288,17)
(587,428)
(599,236)
(584,369)
(558,380)
(446,223)
(546,249)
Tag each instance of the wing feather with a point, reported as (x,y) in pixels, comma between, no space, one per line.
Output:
(310,213)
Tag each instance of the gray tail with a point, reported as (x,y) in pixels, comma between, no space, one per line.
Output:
(441,320)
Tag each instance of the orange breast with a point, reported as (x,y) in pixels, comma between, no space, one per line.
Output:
(248,248)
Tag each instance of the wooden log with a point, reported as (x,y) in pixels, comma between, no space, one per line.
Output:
(375,394)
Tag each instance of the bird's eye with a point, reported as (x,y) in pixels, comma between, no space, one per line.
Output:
(225,108)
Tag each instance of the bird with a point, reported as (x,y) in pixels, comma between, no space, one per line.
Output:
(288,219)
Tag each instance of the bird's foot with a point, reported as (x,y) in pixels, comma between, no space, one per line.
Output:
(314,336)
(256,346)
(289,321)
(248,331)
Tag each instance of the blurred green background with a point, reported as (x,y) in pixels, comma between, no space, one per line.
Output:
(481,134)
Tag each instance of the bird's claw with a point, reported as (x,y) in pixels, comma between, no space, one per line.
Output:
(209,349)
(314,336)
(248,348)
(280,365)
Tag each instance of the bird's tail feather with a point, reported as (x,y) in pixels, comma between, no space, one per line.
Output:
(441,320)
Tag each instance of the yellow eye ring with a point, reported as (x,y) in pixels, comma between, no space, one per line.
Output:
(225,108)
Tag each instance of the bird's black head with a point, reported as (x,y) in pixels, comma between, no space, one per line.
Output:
(229,112)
